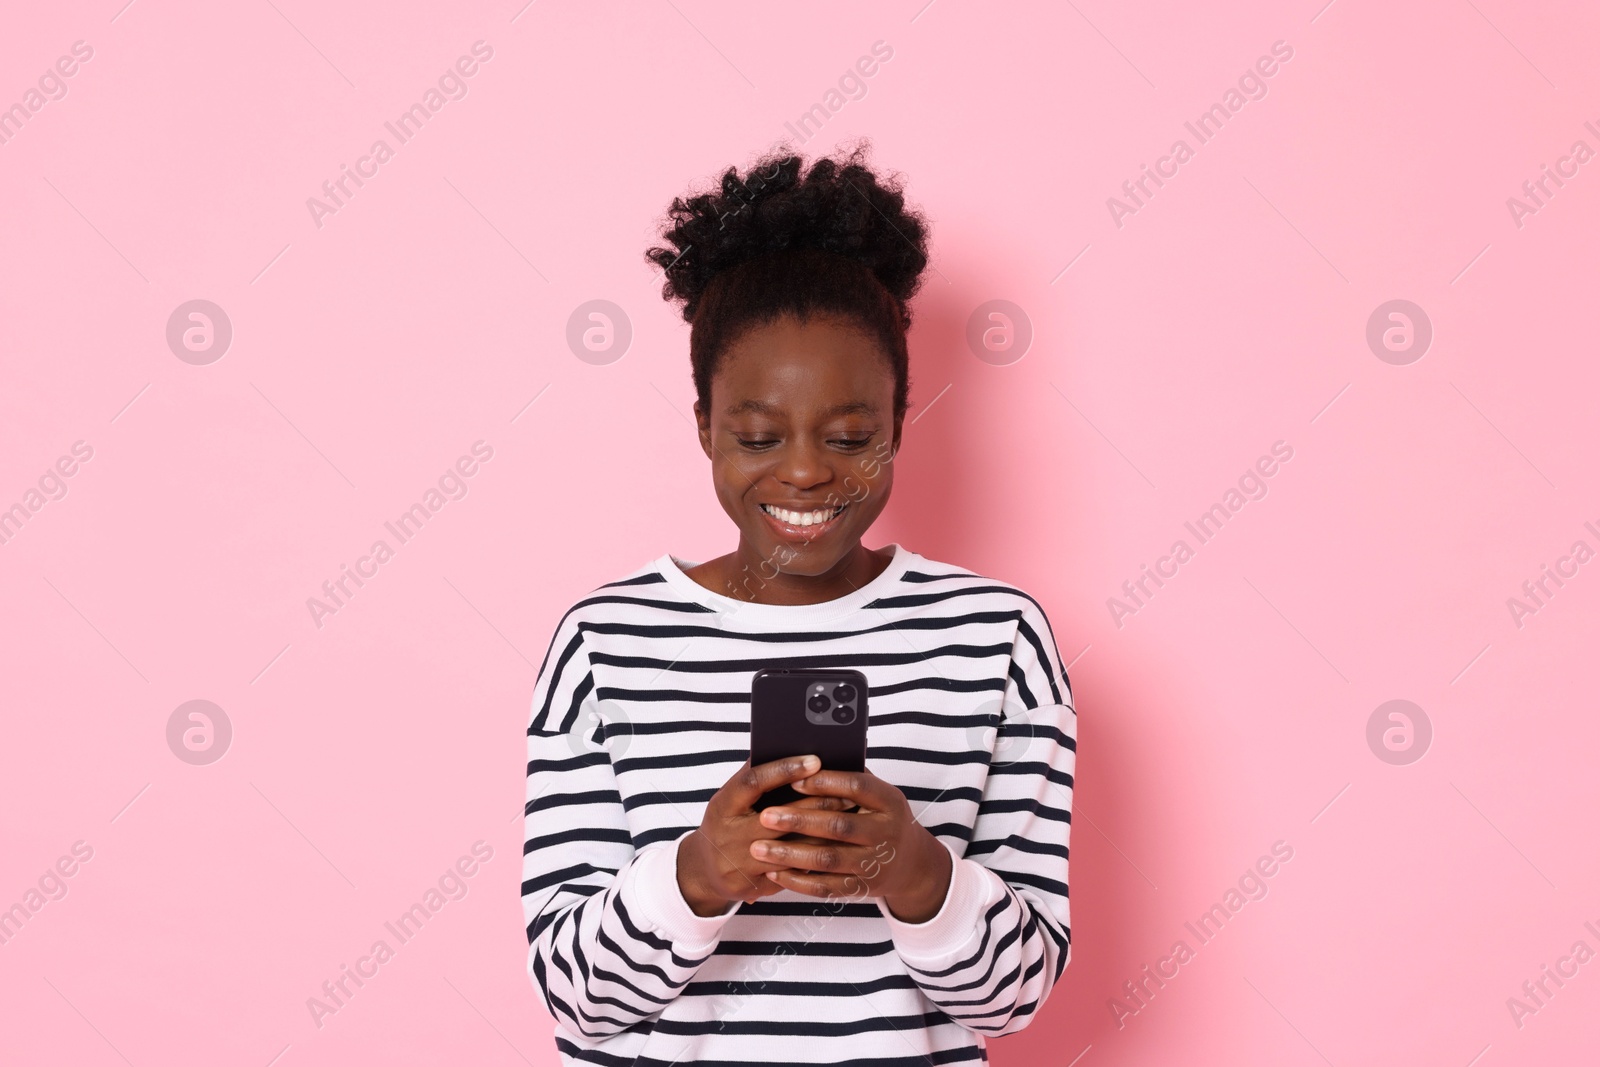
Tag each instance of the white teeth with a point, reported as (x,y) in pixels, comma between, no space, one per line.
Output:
(798,518)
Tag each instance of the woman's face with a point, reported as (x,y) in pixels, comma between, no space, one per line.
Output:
(802,419)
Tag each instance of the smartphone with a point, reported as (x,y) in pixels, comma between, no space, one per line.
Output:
(795,711)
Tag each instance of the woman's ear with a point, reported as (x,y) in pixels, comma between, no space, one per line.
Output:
(703,422)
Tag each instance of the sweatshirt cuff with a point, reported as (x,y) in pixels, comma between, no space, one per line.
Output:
(957,922)
(653,897)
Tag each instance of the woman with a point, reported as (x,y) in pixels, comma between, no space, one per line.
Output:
(895,916)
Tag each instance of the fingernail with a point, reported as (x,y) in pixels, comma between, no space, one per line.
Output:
(811,763)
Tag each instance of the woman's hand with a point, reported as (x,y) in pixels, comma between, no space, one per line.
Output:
(877,850)
(715,864)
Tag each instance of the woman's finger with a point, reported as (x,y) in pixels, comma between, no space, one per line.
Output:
(861,787)
(835,826)
(828,856)
(827,886)
(822,803)
(748,783)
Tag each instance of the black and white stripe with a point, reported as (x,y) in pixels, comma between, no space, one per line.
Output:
(641,712)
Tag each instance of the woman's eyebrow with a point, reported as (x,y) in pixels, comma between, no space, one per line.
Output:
(758,407)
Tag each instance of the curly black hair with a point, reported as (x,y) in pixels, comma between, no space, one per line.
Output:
(836,240)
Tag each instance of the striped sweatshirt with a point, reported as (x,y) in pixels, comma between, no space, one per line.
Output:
(641,711)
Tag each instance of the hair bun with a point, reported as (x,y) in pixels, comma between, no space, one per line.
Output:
(839,205)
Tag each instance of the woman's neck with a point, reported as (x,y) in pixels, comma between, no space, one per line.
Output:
(745,574)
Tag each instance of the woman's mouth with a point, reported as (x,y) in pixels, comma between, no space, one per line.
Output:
(806,525)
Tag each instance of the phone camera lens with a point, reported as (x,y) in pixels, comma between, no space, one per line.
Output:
(844,693)
(844,714)
(818,703)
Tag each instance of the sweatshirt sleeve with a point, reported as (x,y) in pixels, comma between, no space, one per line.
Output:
(1002,937)
(611,940)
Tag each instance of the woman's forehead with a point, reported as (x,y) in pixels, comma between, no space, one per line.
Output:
(753,406)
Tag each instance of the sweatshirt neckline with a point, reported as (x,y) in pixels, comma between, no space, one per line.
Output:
(672,570)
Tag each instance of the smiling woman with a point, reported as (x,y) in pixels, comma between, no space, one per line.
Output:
(797,288)
(919,906)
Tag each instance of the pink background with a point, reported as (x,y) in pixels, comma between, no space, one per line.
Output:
(1228,313)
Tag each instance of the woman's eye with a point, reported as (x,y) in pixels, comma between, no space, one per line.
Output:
(761,444)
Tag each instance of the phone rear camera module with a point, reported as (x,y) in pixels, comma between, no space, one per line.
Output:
(844,694)
(818,703)
(844,714)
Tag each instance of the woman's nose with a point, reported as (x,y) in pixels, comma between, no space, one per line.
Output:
(803,466)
